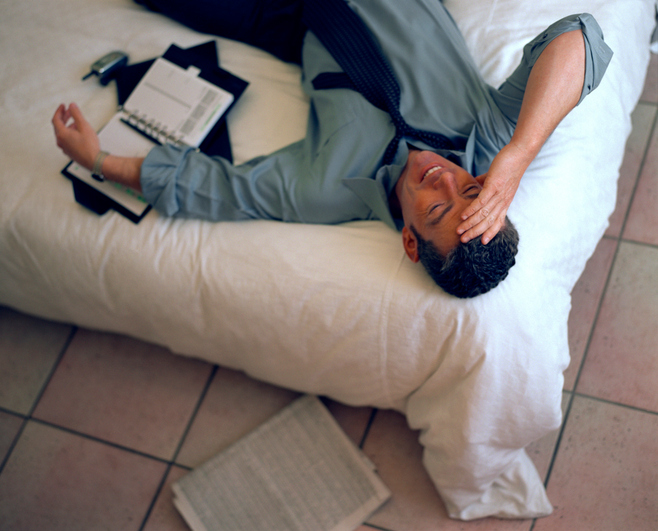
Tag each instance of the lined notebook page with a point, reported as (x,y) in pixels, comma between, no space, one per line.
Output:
(298,471)
(174,100)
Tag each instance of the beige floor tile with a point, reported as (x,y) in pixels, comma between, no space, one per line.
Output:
(622,361)
(124,391)
(643,118)
(164,515)
(606,471)
(233,406)
(642,223)
(29,349)
(56,480)
(585,300)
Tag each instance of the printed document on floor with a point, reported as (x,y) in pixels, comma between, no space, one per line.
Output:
(296,472)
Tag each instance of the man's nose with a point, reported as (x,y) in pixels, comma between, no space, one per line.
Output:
(447,181)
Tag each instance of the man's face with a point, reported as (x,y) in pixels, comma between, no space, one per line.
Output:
(433,192)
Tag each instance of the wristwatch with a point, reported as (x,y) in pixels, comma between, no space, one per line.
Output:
(97,168)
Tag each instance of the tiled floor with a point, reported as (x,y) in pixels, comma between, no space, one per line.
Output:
(94,428)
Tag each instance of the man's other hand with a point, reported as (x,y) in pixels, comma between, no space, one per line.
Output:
(76,139)
(485,216)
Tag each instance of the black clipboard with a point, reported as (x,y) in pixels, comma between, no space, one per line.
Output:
(217,142)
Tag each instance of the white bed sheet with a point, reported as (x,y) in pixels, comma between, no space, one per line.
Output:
(339,310)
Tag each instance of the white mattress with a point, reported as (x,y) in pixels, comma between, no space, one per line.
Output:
(331,310)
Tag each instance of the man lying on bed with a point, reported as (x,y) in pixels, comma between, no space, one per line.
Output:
(451,221)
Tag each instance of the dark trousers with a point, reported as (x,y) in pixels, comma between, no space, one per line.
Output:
(273,25)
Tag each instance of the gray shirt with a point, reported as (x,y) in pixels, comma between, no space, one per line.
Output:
(335,174)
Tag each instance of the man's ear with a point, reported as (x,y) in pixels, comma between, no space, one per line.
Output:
(410,243)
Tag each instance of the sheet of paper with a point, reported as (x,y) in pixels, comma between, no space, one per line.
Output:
(298,471)
(175,100)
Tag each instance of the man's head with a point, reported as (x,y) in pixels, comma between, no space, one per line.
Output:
(433,192)
(471,268)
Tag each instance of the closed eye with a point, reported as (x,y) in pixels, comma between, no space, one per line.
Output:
(438,218)
(471,193)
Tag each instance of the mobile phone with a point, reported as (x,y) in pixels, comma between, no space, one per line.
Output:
(107,65)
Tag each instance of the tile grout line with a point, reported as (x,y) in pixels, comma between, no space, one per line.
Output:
(558,441)
(366,431)
(37,398)
(373,526)
(104,442)
(156,495)
(618,404)
(183,436)
(54,368)
(14,441)
(202,397)
(639,243)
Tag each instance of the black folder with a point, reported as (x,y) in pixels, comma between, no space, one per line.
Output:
(216,143)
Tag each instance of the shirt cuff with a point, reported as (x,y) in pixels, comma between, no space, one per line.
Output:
(159,175)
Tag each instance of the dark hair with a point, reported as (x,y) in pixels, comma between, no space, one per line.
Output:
(471,268)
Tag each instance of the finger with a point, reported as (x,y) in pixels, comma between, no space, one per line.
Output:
(474,207)
(471,222)
(491,233)
(77,116)
(485,212)
(67,116)
(487,230)
(476,230)
(497,222)
(488,223)
(486,196)
(75,110)
(58,118)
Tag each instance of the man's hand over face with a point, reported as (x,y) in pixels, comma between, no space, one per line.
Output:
(486,215)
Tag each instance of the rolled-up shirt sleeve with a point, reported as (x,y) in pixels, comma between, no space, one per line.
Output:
(182,182)
(597,57)
(297,183)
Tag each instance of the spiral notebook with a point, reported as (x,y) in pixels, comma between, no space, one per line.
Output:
(170,104)
(173,104)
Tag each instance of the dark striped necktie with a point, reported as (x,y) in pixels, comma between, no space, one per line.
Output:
(351,44)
